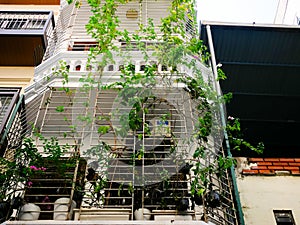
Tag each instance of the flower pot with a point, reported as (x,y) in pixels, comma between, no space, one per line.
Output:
(61,208)
(183,204)
(142,214)
(213,199)
(197,199)
(29,211)
(186,168)
(4,211)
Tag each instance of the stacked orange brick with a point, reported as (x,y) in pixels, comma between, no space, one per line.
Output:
(271,166)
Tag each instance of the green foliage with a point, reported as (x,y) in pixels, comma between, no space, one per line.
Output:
(60,108)
(53,149)
(53,152)
(221,75)
(174,44)
(103,129)
(15,173)
(103,153)
(235,136)
(199,152)
(85,118)
(63,71)
(227,97)
(140,154)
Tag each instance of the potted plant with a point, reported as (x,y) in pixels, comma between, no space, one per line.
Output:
(14,176)
(142,214)
(62,179)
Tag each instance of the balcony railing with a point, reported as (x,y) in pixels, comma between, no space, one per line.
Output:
(27,22)
(70,33)
(77,64)
(43,114)
(41,111)
(23,22)
(31,2)
(25,36)
(11,127)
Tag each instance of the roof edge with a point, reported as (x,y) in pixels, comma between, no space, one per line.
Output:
(254,24)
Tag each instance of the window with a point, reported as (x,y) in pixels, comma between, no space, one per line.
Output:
(284,217)
(164,68)
(78,67)
(121,67)
(142,68)
(143,158)
(88,67)
(82,46)
(111,68)
(189,23)
(9,98)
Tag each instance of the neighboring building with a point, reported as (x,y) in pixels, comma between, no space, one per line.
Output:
(52,112)
(268,190)
(24,32)
(25,29)
(262,66)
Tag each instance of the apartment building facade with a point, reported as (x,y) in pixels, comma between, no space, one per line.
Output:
(138,167)
(31,22)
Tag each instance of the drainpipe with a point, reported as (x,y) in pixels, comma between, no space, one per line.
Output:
(223,122)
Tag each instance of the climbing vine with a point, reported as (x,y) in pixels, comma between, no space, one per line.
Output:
(176,45)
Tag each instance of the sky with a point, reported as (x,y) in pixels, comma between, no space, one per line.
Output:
(242,11)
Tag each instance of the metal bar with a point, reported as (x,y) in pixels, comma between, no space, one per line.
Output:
(269,121)
(223,121)
(260,64)
(5,139)
(9,113)
(266,95)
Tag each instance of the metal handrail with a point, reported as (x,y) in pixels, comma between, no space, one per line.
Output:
(6,126)
(24,20)
(15,95)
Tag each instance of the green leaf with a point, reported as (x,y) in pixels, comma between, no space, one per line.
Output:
(200,192)
(199,152)
(103,129)
(140,136)
(60,108)
(221,75)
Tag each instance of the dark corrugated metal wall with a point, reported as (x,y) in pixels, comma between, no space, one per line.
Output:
(263,69)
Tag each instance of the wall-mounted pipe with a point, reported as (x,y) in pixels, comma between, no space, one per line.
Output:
(223,121)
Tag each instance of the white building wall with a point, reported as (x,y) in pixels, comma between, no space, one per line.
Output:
(261,194)
(287,12)
(16,76)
